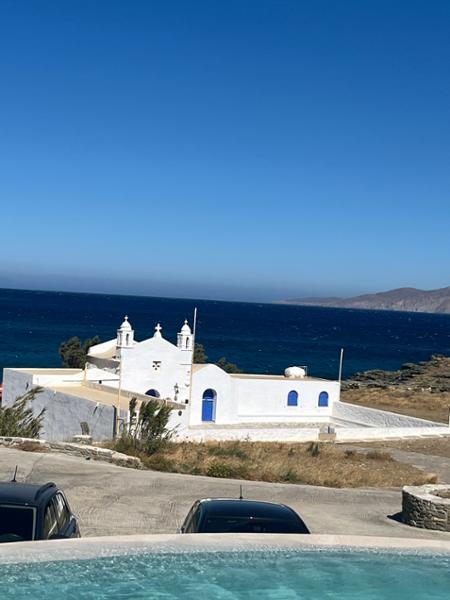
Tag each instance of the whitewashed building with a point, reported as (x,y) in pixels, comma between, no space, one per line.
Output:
(207,402)
(212,398)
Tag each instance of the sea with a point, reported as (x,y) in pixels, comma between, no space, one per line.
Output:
(259,338)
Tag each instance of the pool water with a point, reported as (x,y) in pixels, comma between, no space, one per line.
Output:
(274,575)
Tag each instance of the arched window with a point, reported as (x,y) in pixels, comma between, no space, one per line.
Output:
(127,339)
(292,398)
(153,393)
(209,405)
(323,399)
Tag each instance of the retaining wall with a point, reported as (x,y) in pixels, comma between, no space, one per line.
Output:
(422,506)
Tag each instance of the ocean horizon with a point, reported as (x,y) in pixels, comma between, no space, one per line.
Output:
(258,337)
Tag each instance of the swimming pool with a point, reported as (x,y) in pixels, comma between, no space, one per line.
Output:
(242,569)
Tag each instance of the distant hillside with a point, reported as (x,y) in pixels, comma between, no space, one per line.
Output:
(406,299)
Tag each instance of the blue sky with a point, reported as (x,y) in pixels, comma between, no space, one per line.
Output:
(242,149)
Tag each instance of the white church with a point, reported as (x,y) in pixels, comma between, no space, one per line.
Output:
(213,400)
(207,403)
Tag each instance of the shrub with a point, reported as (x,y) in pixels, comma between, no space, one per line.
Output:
(158,462)
(314,449)
(377,455)
(290,475)
(223,469)
(233,450)
(19,420)
(147,431)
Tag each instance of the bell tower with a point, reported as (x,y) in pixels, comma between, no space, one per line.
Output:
(125,337)
(184,339)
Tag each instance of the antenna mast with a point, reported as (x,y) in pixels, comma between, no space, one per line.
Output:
(341,360)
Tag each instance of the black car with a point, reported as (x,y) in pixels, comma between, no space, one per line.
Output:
(225,515)
(35,512)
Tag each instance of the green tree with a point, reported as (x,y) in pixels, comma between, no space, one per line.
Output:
(199,354)
(227,366)
(200,357)
(73,353)
(19,420)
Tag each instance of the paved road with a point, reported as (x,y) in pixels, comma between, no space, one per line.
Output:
(112,500)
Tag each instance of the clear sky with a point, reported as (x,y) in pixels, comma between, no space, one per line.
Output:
(241,149)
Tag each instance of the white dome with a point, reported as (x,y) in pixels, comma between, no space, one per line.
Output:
(186,330)
(295,373)
(125,325)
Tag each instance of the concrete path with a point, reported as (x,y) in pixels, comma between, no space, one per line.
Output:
(427,462)
(112,500)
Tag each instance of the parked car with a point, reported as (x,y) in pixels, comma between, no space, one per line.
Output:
(35,512)
(226,515)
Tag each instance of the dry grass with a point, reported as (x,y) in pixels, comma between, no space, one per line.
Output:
(433,406)
(313,464)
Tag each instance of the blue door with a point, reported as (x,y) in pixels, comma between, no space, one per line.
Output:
(209,405)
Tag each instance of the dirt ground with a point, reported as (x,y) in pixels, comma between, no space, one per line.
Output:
(430,447)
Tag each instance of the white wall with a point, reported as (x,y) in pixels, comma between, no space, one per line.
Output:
(266,399)
(371,417)
(138,374)
(63,412)
(274,434)
(361,434)
(250,400)
(15,384)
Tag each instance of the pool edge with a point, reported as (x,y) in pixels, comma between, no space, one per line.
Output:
(95,547)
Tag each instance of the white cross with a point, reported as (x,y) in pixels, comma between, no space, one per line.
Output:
(158,328)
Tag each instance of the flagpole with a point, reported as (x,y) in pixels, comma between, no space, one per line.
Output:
(341,360)
(194,331)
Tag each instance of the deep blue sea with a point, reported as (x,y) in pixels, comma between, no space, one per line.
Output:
(260,338)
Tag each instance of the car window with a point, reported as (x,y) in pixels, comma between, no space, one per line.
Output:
(232,524)
(16,523)
(50,522)
(192,520)
(61,511)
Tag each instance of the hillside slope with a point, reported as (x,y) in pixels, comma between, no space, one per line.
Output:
(406,299)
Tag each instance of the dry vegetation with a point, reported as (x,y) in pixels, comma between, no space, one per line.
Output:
(417,389)
(313,464)
(433,406)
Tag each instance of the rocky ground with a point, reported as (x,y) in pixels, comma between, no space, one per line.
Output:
(421,390)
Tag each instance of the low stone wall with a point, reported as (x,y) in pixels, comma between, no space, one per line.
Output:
(74,449)
(427,506)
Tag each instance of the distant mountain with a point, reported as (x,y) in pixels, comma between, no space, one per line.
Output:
(406,299)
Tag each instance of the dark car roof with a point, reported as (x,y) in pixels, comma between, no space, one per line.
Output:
(25,493)
(241,508)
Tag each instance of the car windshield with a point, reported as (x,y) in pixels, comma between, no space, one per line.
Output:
(16,523)
(232,524)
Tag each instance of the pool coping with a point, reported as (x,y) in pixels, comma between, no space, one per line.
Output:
(97,547)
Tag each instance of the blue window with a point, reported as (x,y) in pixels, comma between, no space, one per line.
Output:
(209,405)
(292,398)
(153,393)
(323,399)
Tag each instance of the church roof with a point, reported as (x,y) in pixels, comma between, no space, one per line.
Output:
(104,350)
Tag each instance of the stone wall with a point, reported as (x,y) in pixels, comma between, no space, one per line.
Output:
(427,506)
(74,449)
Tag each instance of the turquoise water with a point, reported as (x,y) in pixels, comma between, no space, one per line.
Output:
(281,575)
